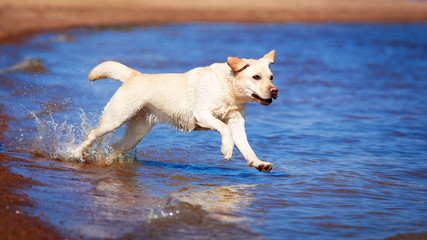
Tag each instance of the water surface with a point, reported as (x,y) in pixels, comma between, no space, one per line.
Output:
(347,135)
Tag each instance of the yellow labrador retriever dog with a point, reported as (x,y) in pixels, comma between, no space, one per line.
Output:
(212,97)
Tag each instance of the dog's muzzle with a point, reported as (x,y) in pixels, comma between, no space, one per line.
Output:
(261,100)
(274,92)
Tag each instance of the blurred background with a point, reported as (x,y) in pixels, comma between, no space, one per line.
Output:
(24,17)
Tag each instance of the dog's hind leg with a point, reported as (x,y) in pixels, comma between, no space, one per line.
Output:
(136,129)
(115,114)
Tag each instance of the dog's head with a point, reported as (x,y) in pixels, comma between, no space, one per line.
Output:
(254,79)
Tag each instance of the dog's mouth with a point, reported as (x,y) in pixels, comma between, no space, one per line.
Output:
(262,101)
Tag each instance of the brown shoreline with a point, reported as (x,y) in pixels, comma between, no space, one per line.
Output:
(20,19)
(16,223)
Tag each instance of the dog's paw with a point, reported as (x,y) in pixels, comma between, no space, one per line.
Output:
(227,153)
(227,149)
(115,156)
(108,162)
(261,166)
(75,155)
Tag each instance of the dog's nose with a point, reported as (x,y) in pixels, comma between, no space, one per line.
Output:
(274,92)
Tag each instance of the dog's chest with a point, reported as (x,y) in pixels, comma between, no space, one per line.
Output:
(225,112)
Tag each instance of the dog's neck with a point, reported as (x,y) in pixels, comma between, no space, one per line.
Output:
(237,93)
(237,96)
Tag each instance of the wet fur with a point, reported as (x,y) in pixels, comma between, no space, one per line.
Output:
(212,97)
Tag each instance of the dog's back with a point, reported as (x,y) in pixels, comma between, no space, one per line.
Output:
(171,97)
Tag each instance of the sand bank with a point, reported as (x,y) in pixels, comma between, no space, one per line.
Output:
(22,18)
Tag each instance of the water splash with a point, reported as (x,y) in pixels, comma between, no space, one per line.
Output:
(56,140)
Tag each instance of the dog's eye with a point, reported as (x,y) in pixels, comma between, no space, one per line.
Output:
(271,78)
(256,77)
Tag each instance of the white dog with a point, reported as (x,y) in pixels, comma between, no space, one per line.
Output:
(212,97)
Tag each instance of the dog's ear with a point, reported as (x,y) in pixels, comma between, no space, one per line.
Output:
(236,64)
(269,57)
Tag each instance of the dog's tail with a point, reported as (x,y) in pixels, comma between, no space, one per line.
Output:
(113,70)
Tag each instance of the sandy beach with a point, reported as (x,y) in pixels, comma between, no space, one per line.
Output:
(19,19)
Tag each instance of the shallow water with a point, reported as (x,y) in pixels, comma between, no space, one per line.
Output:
(347,135)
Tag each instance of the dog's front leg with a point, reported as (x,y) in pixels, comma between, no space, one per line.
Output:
(237,127)
(206,120)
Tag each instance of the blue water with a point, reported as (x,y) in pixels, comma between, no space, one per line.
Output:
(347,135)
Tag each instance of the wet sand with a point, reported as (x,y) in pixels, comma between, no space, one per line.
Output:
(19,19)
(15,222)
